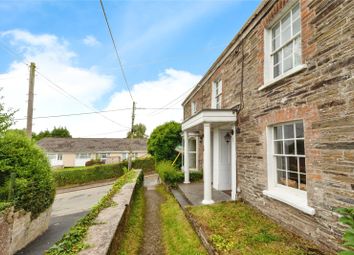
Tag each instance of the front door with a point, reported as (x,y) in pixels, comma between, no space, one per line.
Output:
(225,161)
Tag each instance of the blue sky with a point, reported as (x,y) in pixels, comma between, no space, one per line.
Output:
(152,35)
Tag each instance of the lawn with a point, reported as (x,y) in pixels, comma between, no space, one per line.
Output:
(238,228)
(178,235)
(134,230)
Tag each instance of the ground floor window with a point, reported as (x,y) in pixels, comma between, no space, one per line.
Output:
(83,155)
(192,150)
(289,155)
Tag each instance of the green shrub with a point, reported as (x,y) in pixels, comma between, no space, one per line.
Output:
(347,218)
(93,162)
(146,164)
(169,174)
(195,176)
(34,188)
(81,175)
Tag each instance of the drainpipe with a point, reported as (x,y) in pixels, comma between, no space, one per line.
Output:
(233,165)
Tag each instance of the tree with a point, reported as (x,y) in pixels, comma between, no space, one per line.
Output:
(163,141)
(6,118)
(56,132)
(61,132)
(139,131)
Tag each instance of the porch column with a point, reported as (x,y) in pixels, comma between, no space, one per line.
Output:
(233,165)
(186,158)
(207,165)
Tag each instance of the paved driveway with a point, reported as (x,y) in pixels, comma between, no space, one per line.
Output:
(67,209)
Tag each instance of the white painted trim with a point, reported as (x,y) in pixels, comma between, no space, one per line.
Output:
(186,158)
(282,76)
(209,116)
(233,165)
(292,197)
(207,165)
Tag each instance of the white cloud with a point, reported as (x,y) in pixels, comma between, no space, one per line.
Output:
(55,60)
(90,40)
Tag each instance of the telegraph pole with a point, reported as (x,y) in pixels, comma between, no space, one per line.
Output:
(131,138)
(30,99)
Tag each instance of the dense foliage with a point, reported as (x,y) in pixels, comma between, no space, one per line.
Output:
(82,175)
(73,241)
(163,141)
(347,218)
(6,118)
(33,182)
(138,131)
(172,176)
(56,132)
(93,162)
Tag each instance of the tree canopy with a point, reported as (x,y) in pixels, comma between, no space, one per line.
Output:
(6,118)
(56,132)
(163,141)
(138,131)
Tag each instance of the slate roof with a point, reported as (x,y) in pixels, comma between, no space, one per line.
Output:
(77,145)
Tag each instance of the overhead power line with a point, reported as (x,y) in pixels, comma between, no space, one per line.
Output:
(116,50)
(96,112)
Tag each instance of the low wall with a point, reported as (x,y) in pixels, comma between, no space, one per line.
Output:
(104,236)
(17,229)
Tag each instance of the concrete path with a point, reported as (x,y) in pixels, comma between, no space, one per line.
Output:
(67,209)
(152,242)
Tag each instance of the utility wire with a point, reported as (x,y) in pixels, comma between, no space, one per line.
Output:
(116,50)
(96,112)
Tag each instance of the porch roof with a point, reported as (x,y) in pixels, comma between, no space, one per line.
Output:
(210,116)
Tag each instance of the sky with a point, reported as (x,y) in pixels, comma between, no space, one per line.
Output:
(165,46)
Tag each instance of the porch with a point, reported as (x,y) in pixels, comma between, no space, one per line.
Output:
(194,193)
(213,130)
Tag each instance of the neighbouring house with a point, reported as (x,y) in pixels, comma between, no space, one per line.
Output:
(73,152)
(272,120)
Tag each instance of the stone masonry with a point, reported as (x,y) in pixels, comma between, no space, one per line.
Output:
(322,95)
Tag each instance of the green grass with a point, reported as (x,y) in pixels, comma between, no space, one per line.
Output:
(238,228)
(134,230)
(73,241)
(178,236)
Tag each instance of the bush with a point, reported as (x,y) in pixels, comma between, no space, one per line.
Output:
(169,174)
(34,188)
(146,164)
(93,162)
(195,176)
(81,175)
(163,141)
(347,218)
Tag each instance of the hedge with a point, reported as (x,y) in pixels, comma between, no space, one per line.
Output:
(31,186)
(172,176)
(81,175)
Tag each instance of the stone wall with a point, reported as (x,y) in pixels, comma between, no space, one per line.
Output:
(322,95)
(17,229)
(104,236)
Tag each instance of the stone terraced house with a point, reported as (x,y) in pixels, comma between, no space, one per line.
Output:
(272,120)
(75,152)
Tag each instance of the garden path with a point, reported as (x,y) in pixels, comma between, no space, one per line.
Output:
(152,242)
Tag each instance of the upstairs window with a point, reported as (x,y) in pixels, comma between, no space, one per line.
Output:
(217,94)
(193,108)
(283,45)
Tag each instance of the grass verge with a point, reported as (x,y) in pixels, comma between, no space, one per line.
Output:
(177,234)
(134,230)
(73,241)
(238,228)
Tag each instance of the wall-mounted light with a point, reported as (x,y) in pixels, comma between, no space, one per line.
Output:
(227,137)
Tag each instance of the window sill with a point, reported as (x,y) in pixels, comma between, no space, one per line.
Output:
(283,76)
(292,197)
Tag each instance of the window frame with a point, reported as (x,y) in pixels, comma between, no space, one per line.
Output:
(80,155)
(268,71)
(193,107)
(217,94)
(294,197)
